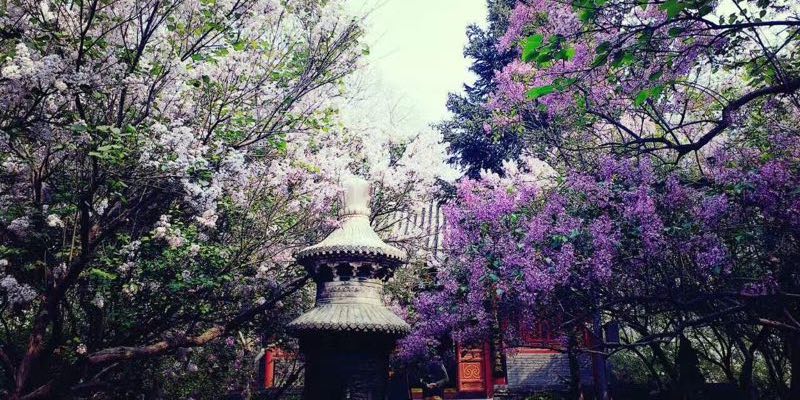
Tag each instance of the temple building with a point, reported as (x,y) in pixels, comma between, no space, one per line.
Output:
(534,364)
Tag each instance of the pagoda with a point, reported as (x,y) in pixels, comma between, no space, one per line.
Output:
(346,339)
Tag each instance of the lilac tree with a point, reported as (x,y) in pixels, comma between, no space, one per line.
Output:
(646,76)
(692,256)
(160,163)
(647,248)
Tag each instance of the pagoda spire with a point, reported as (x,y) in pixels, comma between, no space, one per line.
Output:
(347,337)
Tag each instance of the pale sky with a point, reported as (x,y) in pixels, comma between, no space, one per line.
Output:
(416,52)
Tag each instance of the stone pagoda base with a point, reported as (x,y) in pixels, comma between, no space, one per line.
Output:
(346,366)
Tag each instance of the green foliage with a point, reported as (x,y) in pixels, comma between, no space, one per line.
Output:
(673,7)
(540,91)
(530,47)
(559,85)
(648,94)
(544,53)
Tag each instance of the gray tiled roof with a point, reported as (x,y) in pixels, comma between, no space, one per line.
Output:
(350,317)
(355,235)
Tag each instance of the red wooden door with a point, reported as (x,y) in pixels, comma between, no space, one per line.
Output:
(473,371)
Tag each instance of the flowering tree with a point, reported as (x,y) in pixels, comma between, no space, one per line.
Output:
(160,162)
(646,76)
(647,248)
(130,129)
(692,257)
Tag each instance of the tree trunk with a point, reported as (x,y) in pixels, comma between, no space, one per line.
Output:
(746,377)
(600,359)
(793,352)
(574,367)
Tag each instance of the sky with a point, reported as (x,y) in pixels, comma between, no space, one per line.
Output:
(416,53)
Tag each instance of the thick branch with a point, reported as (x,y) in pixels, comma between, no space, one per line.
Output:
(160,348)
(727,112)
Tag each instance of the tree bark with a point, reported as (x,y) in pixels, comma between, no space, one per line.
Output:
(793,352)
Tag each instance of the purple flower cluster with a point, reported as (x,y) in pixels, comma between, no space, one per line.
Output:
(514,247)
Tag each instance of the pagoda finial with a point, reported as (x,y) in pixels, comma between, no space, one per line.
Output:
(354,236)
(356,197)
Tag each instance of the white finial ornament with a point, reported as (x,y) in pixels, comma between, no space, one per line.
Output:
(356,197)
(354,236)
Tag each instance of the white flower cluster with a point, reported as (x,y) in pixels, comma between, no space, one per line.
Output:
(60,271)
(130,251)
(208,219)
(424,160)
(164,230)
(54,221)
(29,67)
(12,166)
(17,294)
(98,301)
(531,170)
(20,226)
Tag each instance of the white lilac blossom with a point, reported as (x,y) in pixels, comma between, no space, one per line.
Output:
(19,226)
(174,241)
(208,219)
(17,294)
(60,271)
(126,267)
(98,300)
(54,221)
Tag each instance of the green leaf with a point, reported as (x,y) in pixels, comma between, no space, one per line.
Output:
(655,93)
(77,127)
(530,47)
(622,58)
(602,54)
(645,94)
(544,58)
(538,92)
(98,273)
(562,83)
(586,15)
(581,103)
(673,8)
(600,60)
(642,97)
(569,53)
(655,76)
(645,37)
(675,31)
